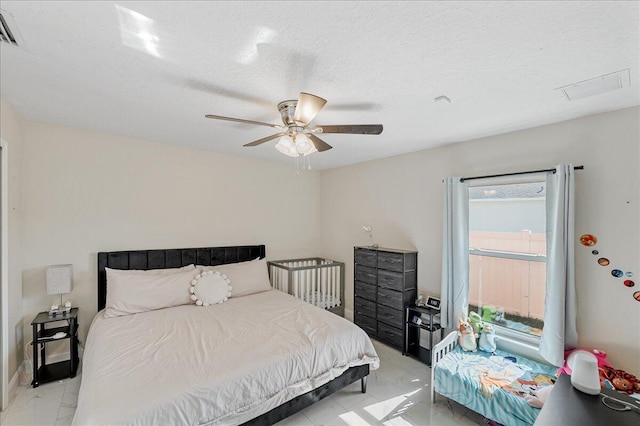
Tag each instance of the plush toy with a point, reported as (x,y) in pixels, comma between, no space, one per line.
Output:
(487,341)
(489,313)
(467,339)
(476,322)
(619,380)
(600,355)
(538,397)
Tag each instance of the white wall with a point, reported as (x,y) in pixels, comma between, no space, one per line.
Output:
(401,198)
(85,192)
(10,131)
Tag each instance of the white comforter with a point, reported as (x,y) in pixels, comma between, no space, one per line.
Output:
(224,364)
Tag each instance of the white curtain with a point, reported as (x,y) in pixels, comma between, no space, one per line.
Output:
(560,297)
(454,293)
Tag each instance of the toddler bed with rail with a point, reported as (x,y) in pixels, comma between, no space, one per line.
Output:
(493,385)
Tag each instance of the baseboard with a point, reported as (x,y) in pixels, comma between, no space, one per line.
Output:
(13,385)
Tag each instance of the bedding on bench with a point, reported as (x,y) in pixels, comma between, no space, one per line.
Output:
(492,385)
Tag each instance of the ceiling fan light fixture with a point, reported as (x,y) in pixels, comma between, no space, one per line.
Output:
(287,147)
(303,144)
(307,107)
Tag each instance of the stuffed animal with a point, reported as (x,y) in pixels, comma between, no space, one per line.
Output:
(619,380)
(600,355)
(538,397)
(489,313)
(476,322)
(487,341)
(467,339)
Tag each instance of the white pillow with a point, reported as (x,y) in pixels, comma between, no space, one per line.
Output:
(209,288)
(246,277)
(135,291)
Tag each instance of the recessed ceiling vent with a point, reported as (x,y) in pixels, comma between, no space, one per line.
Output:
(595,86)
(8,32)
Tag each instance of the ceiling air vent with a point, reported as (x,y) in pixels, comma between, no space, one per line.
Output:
(595,86)
(7,35)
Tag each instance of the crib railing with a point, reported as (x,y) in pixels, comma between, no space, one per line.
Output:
(314,280)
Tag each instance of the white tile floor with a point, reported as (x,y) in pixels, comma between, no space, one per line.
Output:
(397,395)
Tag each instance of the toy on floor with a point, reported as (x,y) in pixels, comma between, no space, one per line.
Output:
(487,341)
(467,339)
(538,397)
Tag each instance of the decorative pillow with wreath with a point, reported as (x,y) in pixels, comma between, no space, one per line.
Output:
(209,288)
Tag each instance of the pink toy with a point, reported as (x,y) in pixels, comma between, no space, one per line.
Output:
(600,355)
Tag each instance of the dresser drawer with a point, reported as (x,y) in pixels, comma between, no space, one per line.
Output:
(365,307)
(367,324)
(390,334)
(366,257)
(366,274)
(365,291)
(390,298)
(388,279)
(391,261)
(390,316)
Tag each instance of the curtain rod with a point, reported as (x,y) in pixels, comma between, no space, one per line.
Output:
(516,173)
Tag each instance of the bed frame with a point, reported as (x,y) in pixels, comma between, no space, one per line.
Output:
(442,348)
(211,256)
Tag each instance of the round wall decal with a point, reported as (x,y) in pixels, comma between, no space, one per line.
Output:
(617,273)
(595,252)
(588,240)
(629,283)
(629,274)
(603,261)
(636,296)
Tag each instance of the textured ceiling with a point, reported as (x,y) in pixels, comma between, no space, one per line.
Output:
(152,70)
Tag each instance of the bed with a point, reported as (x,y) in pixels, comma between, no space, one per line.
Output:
(492,385)
(254,359)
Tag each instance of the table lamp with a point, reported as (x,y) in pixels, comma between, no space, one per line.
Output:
(59,282)
(584,373)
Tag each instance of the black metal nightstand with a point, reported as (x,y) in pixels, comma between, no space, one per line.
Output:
(43,373)
(412,332)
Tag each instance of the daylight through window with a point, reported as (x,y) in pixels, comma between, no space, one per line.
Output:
(507,255)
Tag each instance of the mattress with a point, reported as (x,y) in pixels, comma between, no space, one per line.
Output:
(223,364)
(492,385)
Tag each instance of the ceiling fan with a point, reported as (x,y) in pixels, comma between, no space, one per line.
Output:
(297,137)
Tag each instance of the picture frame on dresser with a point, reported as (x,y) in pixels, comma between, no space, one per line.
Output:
(385,283)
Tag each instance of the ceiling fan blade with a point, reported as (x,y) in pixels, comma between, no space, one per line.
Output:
(360,129)
(240,120)
(319,143)
(307,108)
(263,140)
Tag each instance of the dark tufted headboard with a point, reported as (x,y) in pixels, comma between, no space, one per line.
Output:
(170,258)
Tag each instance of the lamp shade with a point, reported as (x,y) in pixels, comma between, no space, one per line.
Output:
(59,279)
(286,146)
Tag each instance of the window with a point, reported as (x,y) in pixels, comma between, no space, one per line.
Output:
(507,257)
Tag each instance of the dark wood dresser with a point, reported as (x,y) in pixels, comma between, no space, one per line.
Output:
(385,283)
